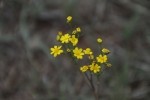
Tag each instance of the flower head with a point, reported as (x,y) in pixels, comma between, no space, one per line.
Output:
(99,40)
(65,38)
(58,36)
(78,29)
(108,65)
(91,56)
(88,51)
(68,50)
(56,50)
(95,68)
(78,53)
(102,59)
(84,68)
(73,40)
(105,51)
(69,18)
(74,32)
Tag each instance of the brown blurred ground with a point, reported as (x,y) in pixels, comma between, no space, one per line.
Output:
(28,29)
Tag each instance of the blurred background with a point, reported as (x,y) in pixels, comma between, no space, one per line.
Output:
(28,29)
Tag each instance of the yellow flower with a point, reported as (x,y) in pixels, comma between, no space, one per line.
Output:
(88,51)
(108,65)
(102,59)
(78,29)
(95,68)
(74,32)
(91,56)
(68,50)
(69,18)
(65,38)
(56,50)
(84,68)
(99,40)
(78,53)
(105,51)
(58,36)
(73,40)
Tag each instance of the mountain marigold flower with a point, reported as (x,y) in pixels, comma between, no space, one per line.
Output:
(65,38)
(68,50)
(108,65)
(99,40)
(91,56)
(84,68)
(73,40)
(78,53)
(105,51)
(88,51)
(69,42)
(102,59)
(58,36)
(95,68)
(69,18)
(74,32)
(56,50)
(78,29)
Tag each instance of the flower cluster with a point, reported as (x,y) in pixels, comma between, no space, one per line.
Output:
(68,44)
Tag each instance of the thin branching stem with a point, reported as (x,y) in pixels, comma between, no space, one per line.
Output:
(91,85)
